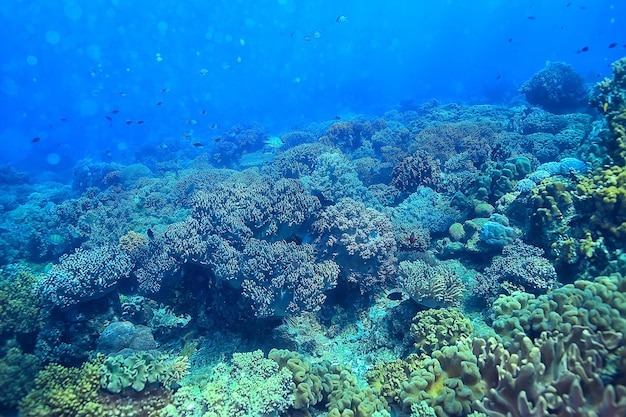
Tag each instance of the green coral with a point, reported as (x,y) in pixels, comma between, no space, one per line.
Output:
(136,371)
(20,310)
(61,391)
(611,101)
(17,376)
(252,386)
(436,328)
(599,305)
(607,191)
(449,382)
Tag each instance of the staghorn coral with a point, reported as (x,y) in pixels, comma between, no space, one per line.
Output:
(359,239)
(610,99)
(349,135)
(296,162)
(607,191)
(437,285)
(20,312)
(425,208)
(17,376)
(334,177)
(444,141)
(61,391)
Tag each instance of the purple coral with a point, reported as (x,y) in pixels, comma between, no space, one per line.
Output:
(85,275)
(522,265)
(358,238)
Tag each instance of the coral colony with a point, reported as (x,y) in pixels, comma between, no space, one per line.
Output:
(446,260)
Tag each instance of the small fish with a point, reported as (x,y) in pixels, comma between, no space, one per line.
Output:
(150,234)
(121,94)
(585,49)
(197,144)
(612,45)
(217,139)
(274,142)
(568,4)
(191,122)
(337,117)
(115,111)
(203,72)
(316,34)
(510,39)
(35,140)
(498,77)
(109,118)
(213,126)
(395,296)
(531,17)
(129,122)
(306,38)
(63,119)
(203,112)
(158,103)
(341,19)
(605,107)
(140,122)
(164,90)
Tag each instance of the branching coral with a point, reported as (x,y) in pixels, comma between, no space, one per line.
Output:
(85,275)
(522,265)
(416,170)
(359,239)
(284,278)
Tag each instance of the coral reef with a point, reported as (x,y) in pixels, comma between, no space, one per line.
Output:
(558,88)
(360,240)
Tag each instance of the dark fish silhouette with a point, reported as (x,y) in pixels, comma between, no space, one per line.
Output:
(395,296)
(115,111)
(197,144)
(531,17)
(613,45)
(150,234)
(35,140)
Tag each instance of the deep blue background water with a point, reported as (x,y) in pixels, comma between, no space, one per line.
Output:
(199,67)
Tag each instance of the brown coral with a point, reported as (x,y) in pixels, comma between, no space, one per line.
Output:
(413,171)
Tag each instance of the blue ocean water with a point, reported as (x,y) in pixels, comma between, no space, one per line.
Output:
(67,65)
(310,208)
